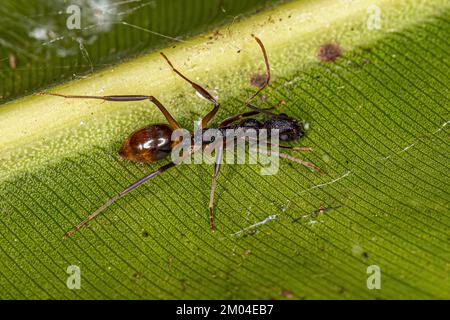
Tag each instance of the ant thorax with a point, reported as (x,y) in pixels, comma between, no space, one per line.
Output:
(288,128)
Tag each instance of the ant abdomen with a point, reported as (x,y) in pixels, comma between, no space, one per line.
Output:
(148,144)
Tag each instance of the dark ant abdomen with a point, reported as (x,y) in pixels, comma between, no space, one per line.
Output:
(148,144)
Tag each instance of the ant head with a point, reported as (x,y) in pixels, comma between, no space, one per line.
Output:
(148,144)
(290,128)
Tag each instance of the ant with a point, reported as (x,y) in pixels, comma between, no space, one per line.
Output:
(153,142)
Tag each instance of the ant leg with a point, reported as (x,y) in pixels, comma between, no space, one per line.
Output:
(200,90)
(292,158)
(305,149)
(213,187)
(122,98)
(302,162)
(266,83)
(232,119)
(119,195)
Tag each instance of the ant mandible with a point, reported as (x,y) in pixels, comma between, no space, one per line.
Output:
(153,142)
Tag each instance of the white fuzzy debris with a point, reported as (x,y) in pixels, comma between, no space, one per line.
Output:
(327,183)
(285,206)
(292,81)
(272,217)
(440,128)
(39,33)
(85,53)
(417,141)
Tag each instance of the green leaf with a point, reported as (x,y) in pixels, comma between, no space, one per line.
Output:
(378,119)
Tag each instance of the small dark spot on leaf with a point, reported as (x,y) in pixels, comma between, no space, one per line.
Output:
(365,255)
(145,233)
(138,275)
(217,34)
(287,294)
(329,52)
(258,80)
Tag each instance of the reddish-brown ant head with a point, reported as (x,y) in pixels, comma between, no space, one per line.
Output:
(289,128)
(148,144)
